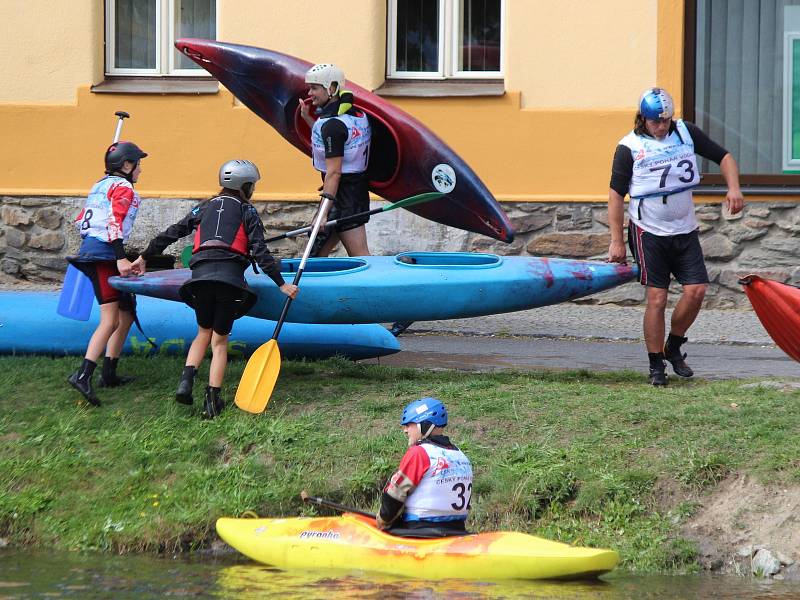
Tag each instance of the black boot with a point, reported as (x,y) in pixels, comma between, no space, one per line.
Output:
(658,369)
(109,377)
(81,380)
(184,391)
(214,403)
(399,327)
(672,352)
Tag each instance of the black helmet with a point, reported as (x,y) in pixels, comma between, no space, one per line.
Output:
(118,153)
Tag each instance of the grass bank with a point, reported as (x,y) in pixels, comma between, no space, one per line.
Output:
(577,456)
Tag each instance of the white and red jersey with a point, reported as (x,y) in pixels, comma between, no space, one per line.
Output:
(110,210)
(434,481)
(356,146)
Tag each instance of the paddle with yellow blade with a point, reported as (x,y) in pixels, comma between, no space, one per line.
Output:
(261,371)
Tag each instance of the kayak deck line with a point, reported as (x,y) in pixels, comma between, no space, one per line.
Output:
(412,286)
(353,542)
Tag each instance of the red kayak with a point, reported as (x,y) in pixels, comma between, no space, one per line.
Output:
(777,306)
(406,158)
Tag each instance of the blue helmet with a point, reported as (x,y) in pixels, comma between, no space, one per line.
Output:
(425,409)
(656,103)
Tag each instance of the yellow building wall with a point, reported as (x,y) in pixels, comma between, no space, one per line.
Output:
(48,49)
(574,70)
(579,54)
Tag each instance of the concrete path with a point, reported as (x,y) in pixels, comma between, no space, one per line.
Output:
(723,344)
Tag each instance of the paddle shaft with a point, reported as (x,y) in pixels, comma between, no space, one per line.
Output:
(122,116)
(418,199)
(336,506)
(301,267)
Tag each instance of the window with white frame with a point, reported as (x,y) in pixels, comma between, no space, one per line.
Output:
(444,39)
(140,35)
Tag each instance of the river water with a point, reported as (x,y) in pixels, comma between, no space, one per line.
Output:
(27,574)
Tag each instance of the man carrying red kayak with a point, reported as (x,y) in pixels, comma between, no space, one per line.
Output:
(429,495)
(340,142)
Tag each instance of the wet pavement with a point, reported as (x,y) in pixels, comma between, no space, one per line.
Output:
(487,353)
(723,344)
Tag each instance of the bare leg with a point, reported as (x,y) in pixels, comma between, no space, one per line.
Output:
(117,339)
(654,319)
(198,348)
(688,308)
(329,245)
(109,320)
(355,241)
(219,359)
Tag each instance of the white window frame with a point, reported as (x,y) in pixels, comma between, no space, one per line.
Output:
(166,15)
(449,31)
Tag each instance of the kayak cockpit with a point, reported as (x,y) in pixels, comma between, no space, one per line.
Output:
(324,266)
(448,260)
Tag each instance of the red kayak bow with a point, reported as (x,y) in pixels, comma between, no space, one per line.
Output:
(406,158)
(777,306)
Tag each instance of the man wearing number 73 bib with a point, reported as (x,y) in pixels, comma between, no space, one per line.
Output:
(429,495)
(656,165)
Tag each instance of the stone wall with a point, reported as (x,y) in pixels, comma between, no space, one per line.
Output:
(37,233)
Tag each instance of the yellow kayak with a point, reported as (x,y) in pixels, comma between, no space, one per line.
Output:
(353,542)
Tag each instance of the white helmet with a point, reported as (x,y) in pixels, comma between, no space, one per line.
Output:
(326,74)
(234,174)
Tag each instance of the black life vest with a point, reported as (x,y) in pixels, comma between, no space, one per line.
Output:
(222,227)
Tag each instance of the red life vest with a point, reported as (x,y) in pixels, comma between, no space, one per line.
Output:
(222,227)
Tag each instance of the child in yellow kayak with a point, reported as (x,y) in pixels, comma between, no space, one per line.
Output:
(429,495)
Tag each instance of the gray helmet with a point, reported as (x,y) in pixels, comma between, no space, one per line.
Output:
(234,174)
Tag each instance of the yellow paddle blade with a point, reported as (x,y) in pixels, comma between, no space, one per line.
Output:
(259,377)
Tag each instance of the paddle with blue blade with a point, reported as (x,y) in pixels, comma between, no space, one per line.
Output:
(262,370)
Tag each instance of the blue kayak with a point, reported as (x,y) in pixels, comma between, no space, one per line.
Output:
(29,325)
(413,286)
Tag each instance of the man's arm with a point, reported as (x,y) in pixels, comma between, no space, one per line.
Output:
(708,148)
(333,175)
(616,218)
(621,173)
(734,201)
(404,481)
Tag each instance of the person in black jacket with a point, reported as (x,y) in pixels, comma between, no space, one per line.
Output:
(229,236)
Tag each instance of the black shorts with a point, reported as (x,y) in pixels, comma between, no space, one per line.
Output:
(352,198)
(216,305)
(660,256)
(98,273)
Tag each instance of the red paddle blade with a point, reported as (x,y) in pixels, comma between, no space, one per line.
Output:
(777,306)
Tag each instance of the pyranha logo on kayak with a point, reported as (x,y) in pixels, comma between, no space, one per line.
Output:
(320,535)
(444,178)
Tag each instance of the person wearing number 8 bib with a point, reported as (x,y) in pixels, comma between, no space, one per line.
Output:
(105,224)
(429,494)
(656,165)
